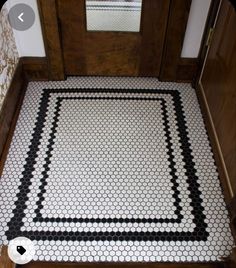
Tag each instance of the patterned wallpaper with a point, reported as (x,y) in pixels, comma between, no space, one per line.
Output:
(8,54)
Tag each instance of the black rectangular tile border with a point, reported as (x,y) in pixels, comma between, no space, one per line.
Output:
(16,222)
(175,195)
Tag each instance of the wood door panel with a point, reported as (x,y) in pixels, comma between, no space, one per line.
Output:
(112,53)
(106,53)
(219,84)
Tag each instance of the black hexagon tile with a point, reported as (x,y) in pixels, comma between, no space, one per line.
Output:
(113,169)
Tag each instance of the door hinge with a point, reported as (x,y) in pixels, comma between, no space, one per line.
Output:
(209,37)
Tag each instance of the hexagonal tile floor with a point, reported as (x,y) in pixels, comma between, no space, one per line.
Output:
(113,169)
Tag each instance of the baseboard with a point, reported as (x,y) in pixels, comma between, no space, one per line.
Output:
(187,70)
(232,210)
(35,68)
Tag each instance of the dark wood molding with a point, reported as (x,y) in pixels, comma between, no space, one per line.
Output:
(232,212)
(175,68)
(10,111)
(203,50)
(35,68)
(177,23)
(187,69)
(52,41)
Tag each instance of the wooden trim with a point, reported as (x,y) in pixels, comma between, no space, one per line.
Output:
(176,28)
(35,68)
(5,261)
(232,211)
(203,50)
(50,28)
(175,68)
(10,110)
(187,69)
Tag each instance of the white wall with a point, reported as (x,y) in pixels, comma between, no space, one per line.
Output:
(30,42)
(195,28)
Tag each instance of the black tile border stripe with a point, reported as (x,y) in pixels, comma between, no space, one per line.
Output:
(109,220)
(199,232)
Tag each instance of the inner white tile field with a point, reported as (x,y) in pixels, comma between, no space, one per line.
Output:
(118,174)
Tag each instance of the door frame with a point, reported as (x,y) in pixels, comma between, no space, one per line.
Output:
(210,25)
(174,37)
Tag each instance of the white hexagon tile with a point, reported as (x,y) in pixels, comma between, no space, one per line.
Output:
(113,169)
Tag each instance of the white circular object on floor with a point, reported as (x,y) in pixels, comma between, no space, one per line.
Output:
(21,250)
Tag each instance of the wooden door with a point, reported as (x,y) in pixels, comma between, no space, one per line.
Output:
(113,53)
(218,83)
